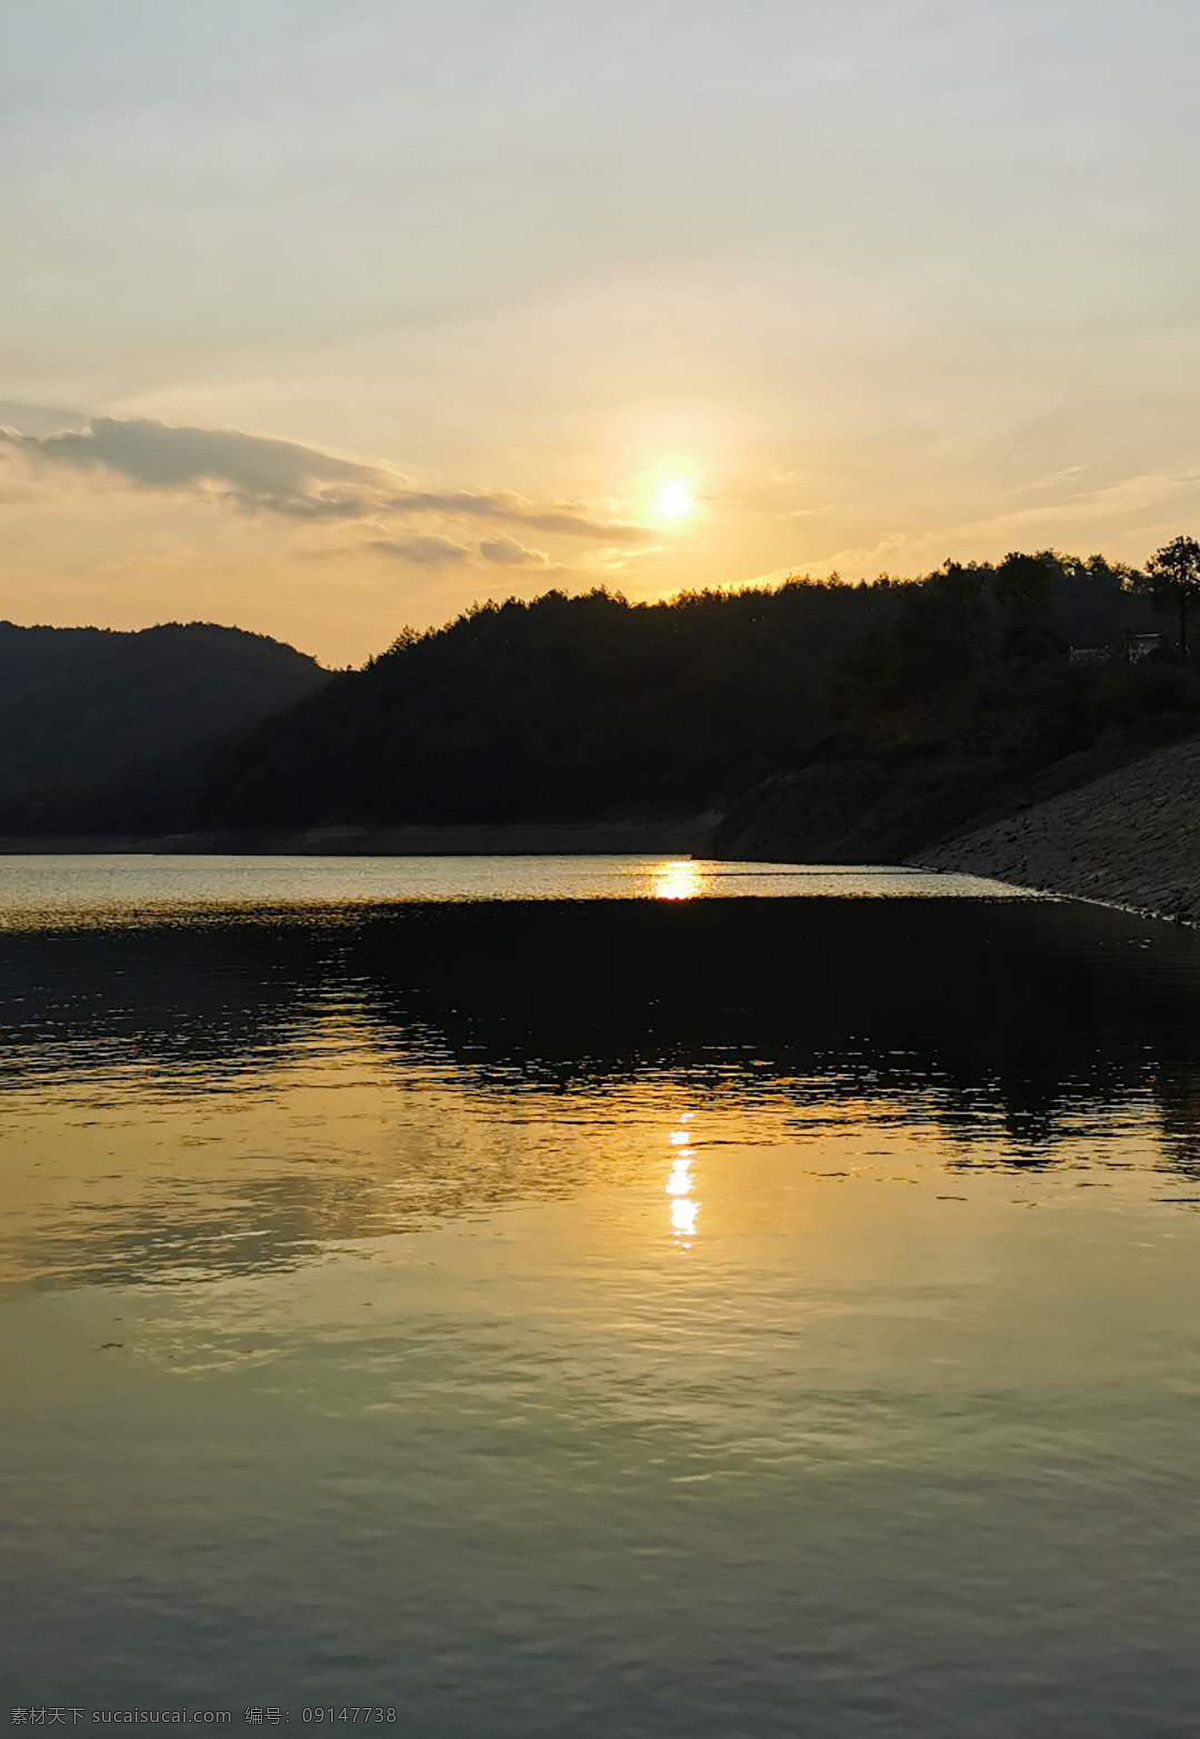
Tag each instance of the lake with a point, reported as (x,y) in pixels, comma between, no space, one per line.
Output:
(597,1297)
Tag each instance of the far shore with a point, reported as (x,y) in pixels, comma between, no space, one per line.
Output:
(1128,839)
(674,836)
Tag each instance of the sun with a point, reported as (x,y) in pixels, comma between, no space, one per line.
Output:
(673,501)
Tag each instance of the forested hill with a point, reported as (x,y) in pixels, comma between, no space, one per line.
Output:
(588,707)
(101,729)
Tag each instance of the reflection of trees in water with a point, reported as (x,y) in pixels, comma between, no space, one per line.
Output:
(1022,1010)
(215,1002)
(1177,1091)
(1006,1026)
(1017,1021)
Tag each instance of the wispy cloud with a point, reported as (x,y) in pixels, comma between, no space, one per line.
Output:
(255,470)
(34,419)
(870,559)
(316,505)
(619,561)
(259,474)
(507,552)
(1128,496)
(566,518)
(1126,506)
(425,551)
(1067,474)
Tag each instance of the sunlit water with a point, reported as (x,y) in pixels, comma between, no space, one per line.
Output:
(594,1314)
(39,890)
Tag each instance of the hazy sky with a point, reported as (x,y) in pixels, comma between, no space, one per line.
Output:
(358,312)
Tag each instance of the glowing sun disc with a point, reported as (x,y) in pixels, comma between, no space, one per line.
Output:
(673,500)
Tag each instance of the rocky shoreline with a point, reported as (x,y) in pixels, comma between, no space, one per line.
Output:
(1129,838)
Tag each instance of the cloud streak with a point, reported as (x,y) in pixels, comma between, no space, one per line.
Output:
(262,475)
(428,550)
(256,470)
(507,552)
(1140,501)
(566,518)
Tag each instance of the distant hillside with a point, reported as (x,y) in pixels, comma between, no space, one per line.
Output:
(824,720)
(100,729)
(586,708)
(563,708)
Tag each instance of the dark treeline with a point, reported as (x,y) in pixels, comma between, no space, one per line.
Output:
(824,719)
(586,707)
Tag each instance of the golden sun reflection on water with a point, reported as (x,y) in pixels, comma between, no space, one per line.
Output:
(678,880)
(683,1217)
(679,1186)
(679,1182)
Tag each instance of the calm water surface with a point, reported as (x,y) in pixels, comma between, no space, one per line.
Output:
(40,890)
(528,1296)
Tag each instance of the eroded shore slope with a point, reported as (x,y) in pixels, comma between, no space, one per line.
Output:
(1131,837)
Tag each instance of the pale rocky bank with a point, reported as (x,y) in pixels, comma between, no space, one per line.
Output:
(1130,838)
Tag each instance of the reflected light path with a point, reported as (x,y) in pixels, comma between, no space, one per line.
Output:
(679,1185)
(683,1217)
(679,1182)
(678,880)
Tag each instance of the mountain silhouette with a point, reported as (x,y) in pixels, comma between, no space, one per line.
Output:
(101,729)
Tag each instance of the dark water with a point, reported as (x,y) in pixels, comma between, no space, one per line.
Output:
(725,1316)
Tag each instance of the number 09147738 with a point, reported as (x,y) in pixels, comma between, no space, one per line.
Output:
(352,1714)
